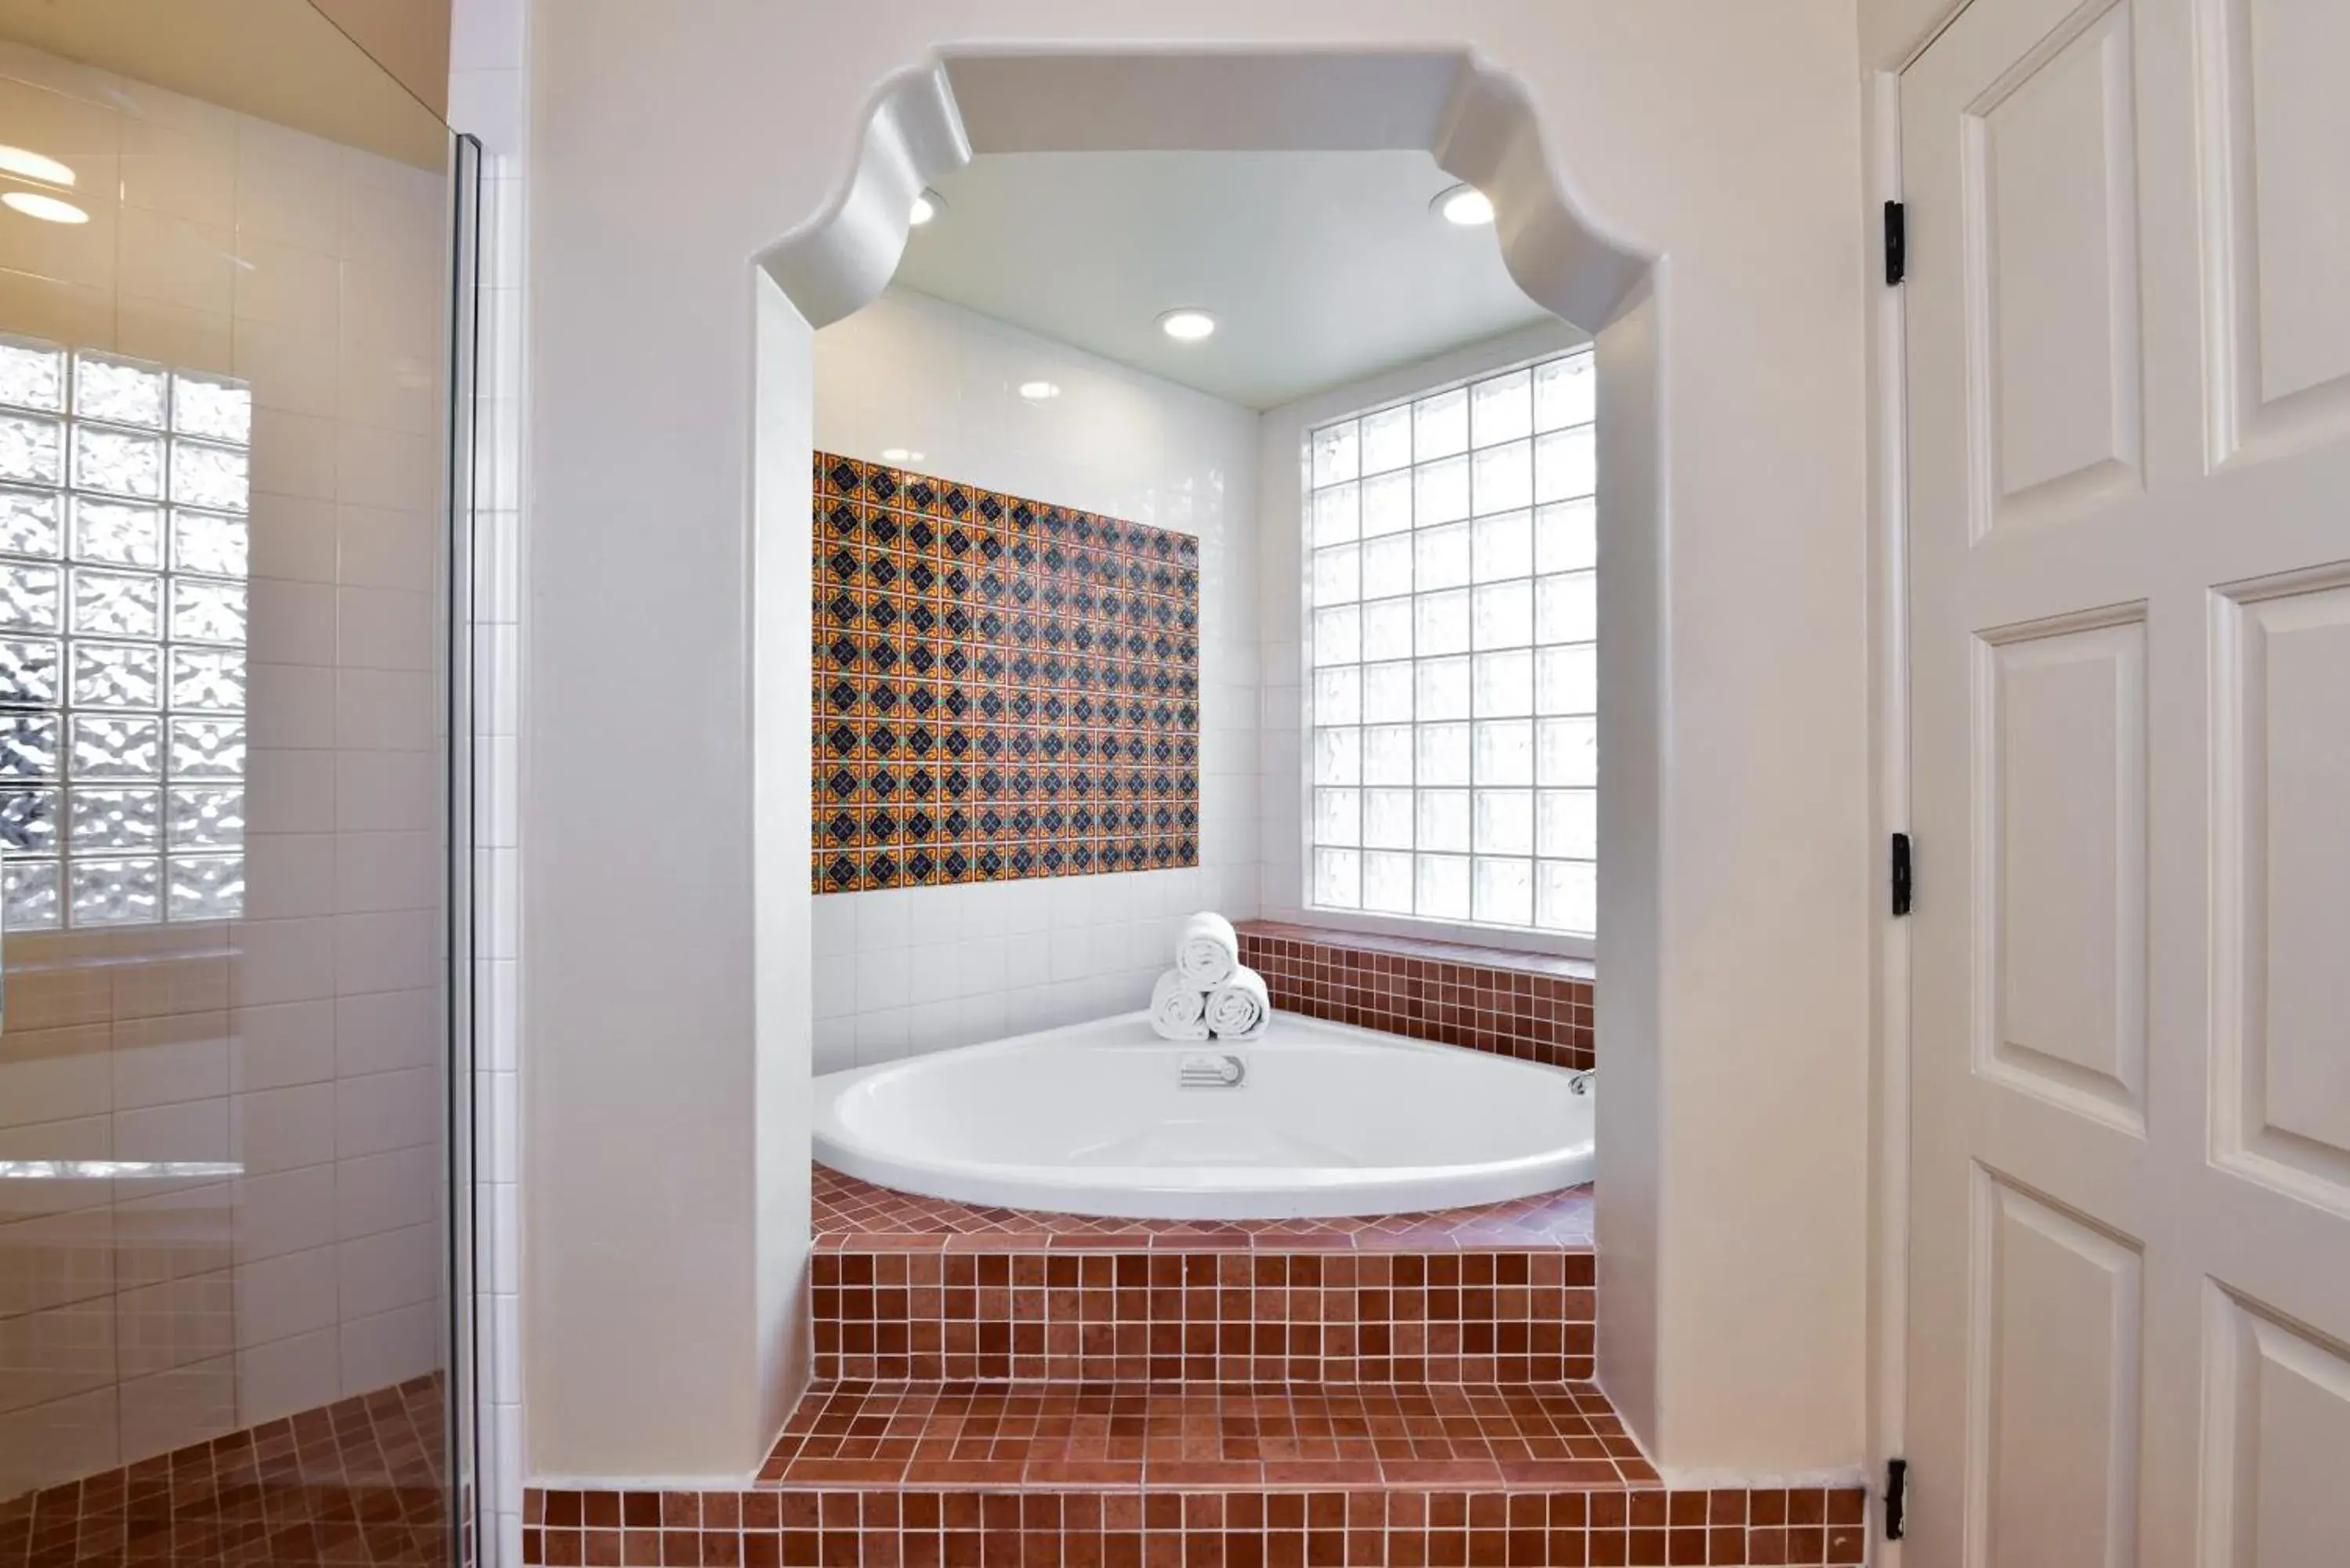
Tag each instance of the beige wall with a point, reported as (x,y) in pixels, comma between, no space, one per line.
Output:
(674,147)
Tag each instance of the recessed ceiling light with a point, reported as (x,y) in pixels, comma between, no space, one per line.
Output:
(1187,325)
(48,209)
(899,454)
(927,205)
(1038,391)
(34,166)
(1465,205)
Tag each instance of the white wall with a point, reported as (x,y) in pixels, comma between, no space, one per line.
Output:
(675,145)
(920,969)
(304,1041)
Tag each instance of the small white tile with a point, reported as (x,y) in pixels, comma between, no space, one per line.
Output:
(378,1031)
(290,1293)
(882,1035)
(390,1347)
(833,1044)
(390,1268)
(285,1129)
(288,1375)
(395,1191)
(395,952)
(285,1211)
(387,1111)
(882,976)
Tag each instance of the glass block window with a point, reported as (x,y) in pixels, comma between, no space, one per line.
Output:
(1452,655)
(122,633)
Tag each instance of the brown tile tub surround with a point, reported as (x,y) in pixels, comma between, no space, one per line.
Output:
(356,1483)
(1643,1527)
(1155,1318)
(1530,1006)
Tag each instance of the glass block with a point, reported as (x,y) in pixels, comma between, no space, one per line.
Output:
(1505,892)
(1568,898)
(31,597)
(1439,425)
(1503,547)
(1338,695)
(1387,694)
(1337,635)
(29,677)
(1442,754)
(1505,614)
(1505,684)
(208,476)
(1387,566)
(1387,755)
(1440,689)
(1444,820)
(120,391)
(1387,503)
(30,522)
(32,374)
(1338,817)
(116,604)
(118,462)
(206,887)
(1505,822)
(1567,607)
(32,450)
(1387,818)
(116,892)
(117,675)
(1500,480)
(1387,439)
(1443,888)
(208,748)
(204,816)
(28,896)
(210,679)
(107,820)
(1570,751)
(118,533)
(1567,536)
(1501,408)
(1337,878)
(1337,755)
(28,747)
(212,407)
(1567,464)
(1387,629)
(209,543)
(1566,393)
(1442,557)
(1566,824)
(1386,882)
(28,821)
(1339,574)
(1334,453)
(1442,622)
(1336,515)
(105,747)
(1440,491)
(1566,679)
(1505,751)
(207,612)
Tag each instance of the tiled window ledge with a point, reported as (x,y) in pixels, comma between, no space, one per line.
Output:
(1532,1006)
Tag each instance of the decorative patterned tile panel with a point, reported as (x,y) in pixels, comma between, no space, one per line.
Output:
(1004,687)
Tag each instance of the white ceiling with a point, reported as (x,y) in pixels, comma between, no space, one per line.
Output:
(1321,268)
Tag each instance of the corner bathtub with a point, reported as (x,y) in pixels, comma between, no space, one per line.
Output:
(1095,1118)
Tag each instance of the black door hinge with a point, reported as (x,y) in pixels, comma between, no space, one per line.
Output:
(1896,1497)
(1904,874)
(1897,243)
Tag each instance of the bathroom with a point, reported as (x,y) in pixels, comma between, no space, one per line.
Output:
(530,1064)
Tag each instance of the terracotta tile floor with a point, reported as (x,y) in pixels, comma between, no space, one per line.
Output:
(964,1436)
(853,1216)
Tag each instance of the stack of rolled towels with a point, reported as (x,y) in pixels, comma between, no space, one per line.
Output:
(1209,994)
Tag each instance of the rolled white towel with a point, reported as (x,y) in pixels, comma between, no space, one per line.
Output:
(1208,950)
(1237,1009)
(1179,1009)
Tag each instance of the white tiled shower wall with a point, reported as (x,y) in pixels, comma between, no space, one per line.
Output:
(914,969)
(303,1041)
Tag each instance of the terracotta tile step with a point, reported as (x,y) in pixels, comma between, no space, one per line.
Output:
(1220,1437)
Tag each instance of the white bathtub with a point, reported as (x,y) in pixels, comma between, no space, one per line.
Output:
(1092,1119)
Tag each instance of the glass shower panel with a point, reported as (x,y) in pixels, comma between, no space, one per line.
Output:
(227,1251)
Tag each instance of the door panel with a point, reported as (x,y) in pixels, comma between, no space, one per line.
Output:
(2129,441)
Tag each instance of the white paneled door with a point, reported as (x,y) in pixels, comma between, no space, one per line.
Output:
(2128,338)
